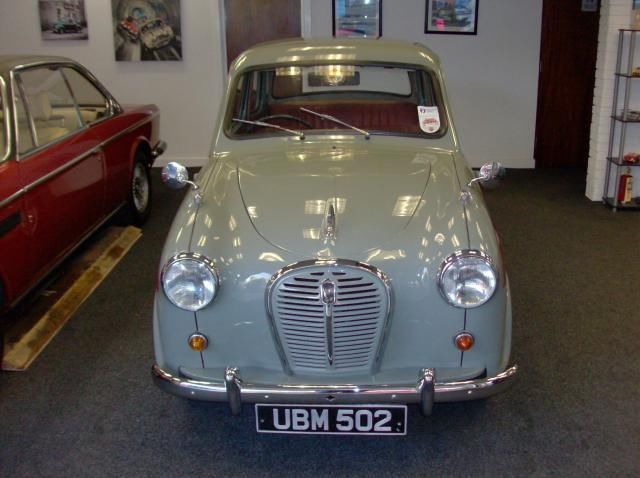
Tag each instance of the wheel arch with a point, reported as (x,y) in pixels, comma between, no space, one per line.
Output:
(141,144)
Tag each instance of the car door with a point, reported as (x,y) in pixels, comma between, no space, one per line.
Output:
(15,272)
(97,110)
(59,163)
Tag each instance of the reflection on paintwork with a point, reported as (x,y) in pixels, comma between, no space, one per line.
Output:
(256,280)
(406,205)
(315,206)
(208,221)
(428,226)
(439,238)
(342,156)
(324,253)
(253,212)
(270,257)
(232,223)
(451,223)
(455,241)
(311,233)
(202,241)
(237,242)
(319,206)
(382,255)
(179,235)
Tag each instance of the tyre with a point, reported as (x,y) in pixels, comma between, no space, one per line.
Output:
(139,195)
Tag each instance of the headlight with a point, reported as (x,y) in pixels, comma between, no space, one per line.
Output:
(467,279)
(190,281)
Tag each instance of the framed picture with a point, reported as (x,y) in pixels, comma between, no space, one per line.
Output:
(146,31)
(63,20)
(357,18)
(636,5)
(452,17)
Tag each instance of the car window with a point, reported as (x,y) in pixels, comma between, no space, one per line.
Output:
(92,103)
(3,136)
(383,99)
(25,138)
(50,104)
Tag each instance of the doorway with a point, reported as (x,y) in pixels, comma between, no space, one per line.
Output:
(568,53)
(249,22)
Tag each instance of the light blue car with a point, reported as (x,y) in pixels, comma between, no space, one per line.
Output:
(334,261)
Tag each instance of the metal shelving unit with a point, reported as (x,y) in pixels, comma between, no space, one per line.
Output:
(622,118)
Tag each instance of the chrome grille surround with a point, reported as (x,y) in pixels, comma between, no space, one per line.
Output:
(329,316)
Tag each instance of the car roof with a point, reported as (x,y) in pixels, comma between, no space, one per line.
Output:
(334,50)
(9,62)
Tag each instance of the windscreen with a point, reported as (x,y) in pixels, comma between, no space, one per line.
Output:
(317,98)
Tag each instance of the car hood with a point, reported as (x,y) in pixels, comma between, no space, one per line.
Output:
(373,191)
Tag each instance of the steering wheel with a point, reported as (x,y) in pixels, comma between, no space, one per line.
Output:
(286,117)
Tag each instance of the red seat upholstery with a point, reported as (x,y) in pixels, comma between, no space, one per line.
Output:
(395,116)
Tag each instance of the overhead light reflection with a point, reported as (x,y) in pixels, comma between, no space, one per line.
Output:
(270,257)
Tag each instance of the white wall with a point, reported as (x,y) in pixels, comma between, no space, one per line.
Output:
(492,77)
(187,92)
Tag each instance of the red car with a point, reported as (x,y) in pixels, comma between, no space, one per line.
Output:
(71,157)
(129,27)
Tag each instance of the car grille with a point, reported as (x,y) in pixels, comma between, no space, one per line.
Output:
(338,330)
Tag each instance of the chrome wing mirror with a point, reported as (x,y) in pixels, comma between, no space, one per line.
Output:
(176,176)
(490,175)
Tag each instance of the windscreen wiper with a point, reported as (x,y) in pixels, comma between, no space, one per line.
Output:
(299,134)
(336,120)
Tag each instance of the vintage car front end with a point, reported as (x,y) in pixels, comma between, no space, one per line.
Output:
(333,267)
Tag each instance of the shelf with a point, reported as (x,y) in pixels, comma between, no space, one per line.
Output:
(625,75)
(619,118)
(617,161)
(622,114)
(634,205)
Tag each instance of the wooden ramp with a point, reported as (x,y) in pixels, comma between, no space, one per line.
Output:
(34,327)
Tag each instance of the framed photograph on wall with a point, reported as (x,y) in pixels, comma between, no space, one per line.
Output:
(147,31)
(63,20)
(357,18)
(458,17)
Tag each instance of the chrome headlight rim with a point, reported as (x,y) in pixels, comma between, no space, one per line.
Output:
(457,256)
(196,257)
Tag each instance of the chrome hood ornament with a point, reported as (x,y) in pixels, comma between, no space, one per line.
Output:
(330,221)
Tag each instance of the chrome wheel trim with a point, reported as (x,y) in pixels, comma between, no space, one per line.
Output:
(140,188)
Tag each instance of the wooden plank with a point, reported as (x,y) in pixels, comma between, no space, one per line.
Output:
(38,325)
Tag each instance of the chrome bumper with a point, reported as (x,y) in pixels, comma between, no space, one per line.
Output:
(425,391)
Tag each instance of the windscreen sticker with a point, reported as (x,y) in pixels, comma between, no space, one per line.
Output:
(429,118)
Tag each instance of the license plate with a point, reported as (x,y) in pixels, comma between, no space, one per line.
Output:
(332,419)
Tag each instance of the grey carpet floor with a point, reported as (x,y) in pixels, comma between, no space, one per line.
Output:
(87,406)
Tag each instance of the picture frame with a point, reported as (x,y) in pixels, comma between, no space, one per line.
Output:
(63,23)
(357,18)
(452,17)
(147,31)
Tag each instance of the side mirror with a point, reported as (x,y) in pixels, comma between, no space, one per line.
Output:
(175,175)
(490,175)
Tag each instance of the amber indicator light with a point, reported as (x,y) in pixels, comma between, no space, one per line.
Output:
(464,341)
(198,342)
